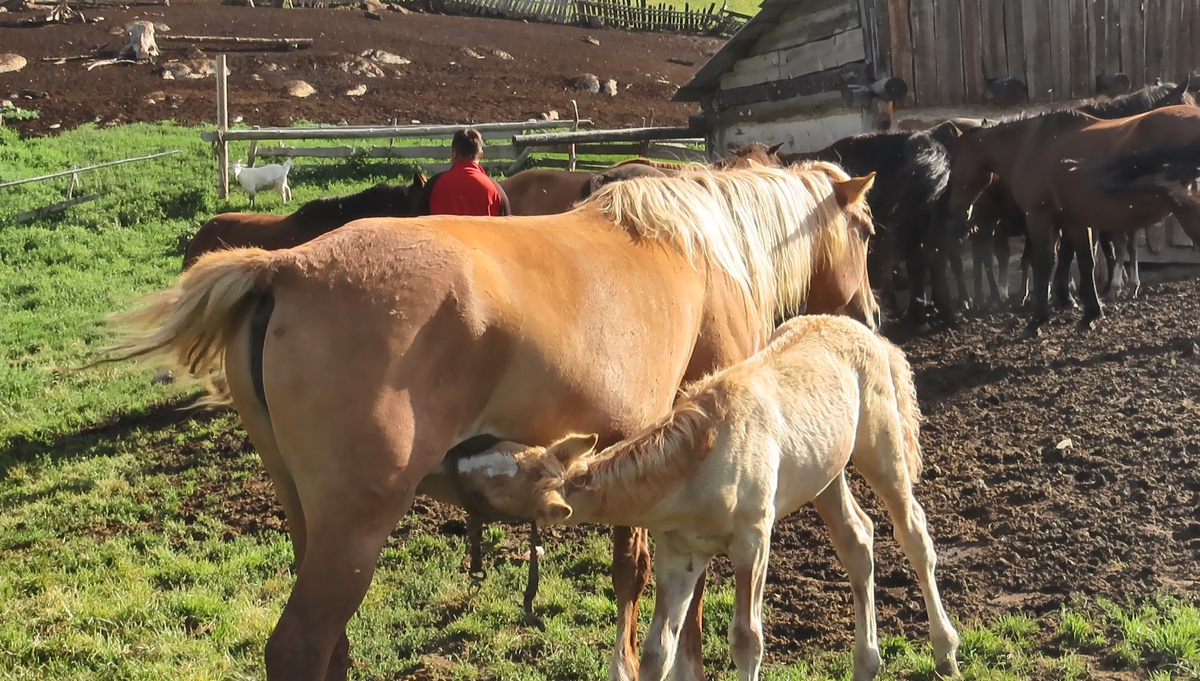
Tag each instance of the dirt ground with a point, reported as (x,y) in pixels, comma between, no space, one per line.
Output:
(1057,467)
(443,84)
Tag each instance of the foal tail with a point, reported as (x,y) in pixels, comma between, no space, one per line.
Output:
(906,404)
(189,324)
(1173,170)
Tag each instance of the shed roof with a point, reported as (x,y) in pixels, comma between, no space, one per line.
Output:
(708,77)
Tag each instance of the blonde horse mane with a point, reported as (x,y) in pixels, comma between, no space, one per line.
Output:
(666,165)
(767,228)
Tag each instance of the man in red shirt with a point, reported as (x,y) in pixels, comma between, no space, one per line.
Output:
(466,189)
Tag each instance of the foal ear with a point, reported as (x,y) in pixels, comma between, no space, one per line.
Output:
(853,190)
(572,447)
(775,149)
(419,180)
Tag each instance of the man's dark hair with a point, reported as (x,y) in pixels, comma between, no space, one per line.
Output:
(467,143)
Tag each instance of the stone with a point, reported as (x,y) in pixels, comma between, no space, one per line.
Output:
(357,91)
(299,88)
(610,87)
(501,54)
(587,82)
(10,62)
(385,57)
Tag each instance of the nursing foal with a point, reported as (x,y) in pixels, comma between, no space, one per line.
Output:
(743,447)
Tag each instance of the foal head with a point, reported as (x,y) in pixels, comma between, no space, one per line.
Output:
(528,482)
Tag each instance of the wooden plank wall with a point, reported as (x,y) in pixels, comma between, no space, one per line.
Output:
(814,36)
(948,49)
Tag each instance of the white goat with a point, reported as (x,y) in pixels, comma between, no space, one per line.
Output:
(272,176)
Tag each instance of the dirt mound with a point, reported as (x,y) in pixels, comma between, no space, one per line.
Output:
(1022,518)
(463,69)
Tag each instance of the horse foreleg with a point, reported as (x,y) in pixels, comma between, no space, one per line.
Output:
(749,554)
(689,661)
(1092,309)
(676,575)
(853,537)
(630,575)
(1062,273)
(1131,253)
(954,256)
(1003,251)
(1041,242)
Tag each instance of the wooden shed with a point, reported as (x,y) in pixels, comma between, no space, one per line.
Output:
(808,72)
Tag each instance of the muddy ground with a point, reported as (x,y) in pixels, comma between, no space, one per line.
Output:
(443,84)
(1023,519)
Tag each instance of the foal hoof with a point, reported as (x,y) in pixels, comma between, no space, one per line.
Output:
(948,669)
(1032,331)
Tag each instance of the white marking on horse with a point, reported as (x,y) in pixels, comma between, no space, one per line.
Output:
(491,465)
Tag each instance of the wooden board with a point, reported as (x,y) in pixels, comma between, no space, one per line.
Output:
(823,55)
(972,50)
(902,45)
(1082,76)
(1154,36)
(948,29)
(1060,48)
(1039,65)
(1014,38)
(804,24)
(1188,54)
(1173,69)
(924,40)
(1133,42)
(993,47)
(883,38)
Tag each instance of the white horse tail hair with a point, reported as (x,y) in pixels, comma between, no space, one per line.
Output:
(189,324)
(906,404)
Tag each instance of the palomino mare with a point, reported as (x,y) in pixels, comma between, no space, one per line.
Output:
(1050,163)
(357,360)
(272,232)
(549,192)
(742,449)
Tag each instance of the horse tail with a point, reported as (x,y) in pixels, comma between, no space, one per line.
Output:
(906,405)
(189,324)
(1173,171)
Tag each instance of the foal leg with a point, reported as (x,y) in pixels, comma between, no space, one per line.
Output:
(887,473)
(676,574)
(630,574)
(749,554)
(1042,237)
(853,537)
(689,662)
(1003,250)
(1062,273)
(1131,255)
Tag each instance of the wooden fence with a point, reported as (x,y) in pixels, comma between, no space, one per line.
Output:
(71,199)
(637,15)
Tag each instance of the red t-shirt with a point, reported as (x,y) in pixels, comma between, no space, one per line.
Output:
(466,189)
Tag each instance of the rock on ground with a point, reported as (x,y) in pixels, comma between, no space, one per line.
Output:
(299,88)
(385,57)
(357,91)
(587,82)
(11,62)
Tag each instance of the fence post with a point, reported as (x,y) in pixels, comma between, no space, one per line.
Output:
(222,126)
(574,126)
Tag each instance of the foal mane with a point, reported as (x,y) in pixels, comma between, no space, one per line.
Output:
(1147,99)
(765,227)
(382,200)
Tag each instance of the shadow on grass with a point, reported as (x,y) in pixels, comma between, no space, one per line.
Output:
(102,439)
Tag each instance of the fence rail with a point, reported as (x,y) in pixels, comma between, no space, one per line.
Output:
(633,15)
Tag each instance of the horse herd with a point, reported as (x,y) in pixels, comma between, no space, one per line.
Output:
(360,346)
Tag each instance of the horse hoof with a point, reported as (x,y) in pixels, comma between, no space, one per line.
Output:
(1032,331)
(948,669)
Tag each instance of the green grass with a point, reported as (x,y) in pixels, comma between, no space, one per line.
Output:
(116,561)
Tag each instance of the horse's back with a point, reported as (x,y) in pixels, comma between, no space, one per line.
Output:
(235,230)
(544,192)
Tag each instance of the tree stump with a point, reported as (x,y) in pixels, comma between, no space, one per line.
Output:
(140,45)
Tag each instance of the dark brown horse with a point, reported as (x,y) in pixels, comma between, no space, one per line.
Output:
(272,232)
(1055,163)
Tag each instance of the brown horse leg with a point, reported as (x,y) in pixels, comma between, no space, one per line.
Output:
(630,574)
(1042,237)
(257,422)
(1092,309)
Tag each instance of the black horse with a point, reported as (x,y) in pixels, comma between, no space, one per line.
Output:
(912,173)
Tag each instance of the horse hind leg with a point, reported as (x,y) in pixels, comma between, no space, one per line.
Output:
(1092,309)
(1003,250)
(853,537)
(885,468)
(1131,252)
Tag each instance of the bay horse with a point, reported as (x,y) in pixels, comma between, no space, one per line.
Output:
(997,217)
(743,448)
(1049,162)
(272,232)
(549,192)
(357,360)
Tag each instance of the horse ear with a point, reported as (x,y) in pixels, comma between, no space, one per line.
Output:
(419,180)
(775,149)
(954,129)
(572,447)
(853,190)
